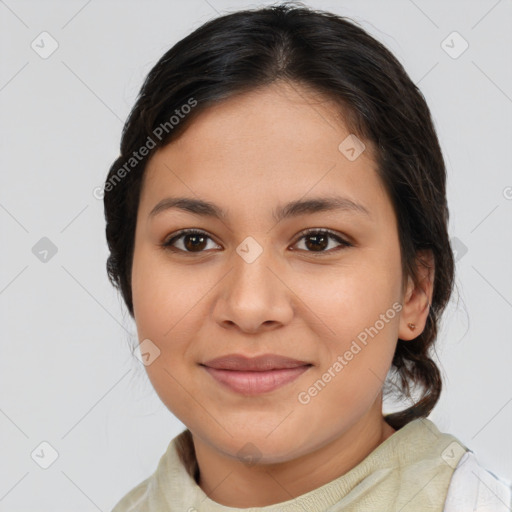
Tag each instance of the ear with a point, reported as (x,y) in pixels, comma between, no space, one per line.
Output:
(417,299)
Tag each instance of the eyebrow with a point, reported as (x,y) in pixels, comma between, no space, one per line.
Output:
(291,209)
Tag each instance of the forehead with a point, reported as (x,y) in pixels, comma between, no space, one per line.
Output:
(279,143)
(283,121)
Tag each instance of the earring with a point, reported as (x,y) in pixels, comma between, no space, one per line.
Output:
(411,326)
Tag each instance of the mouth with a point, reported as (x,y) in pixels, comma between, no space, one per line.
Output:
(255,375)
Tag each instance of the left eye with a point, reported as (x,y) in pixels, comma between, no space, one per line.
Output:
(195,241)
(319,240)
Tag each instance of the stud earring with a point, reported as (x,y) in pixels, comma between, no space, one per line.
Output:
(411,326)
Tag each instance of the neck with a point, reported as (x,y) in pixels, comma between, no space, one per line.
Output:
(231,483)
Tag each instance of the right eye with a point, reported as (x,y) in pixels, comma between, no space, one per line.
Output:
(194,241)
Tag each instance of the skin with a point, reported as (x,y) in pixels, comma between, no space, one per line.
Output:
(249,155)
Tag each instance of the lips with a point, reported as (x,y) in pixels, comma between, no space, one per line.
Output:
(255,375)
(262,363)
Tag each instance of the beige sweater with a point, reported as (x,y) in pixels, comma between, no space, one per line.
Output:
(410,471)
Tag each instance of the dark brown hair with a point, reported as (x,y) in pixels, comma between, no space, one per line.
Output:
(331,55)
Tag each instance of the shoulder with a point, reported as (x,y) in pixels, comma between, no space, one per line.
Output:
(168,486)
(134,499)
(472,487)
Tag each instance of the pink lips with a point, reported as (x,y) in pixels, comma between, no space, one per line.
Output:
(255,375)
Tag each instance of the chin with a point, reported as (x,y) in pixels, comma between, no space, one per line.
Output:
(254,448)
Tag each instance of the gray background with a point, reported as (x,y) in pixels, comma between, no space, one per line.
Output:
(66,371)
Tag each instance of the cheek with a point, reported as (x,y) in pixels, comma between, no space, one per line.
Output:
(169,309)
(359,310)
(355,364)
(163,314)
(159,293)
(349,297)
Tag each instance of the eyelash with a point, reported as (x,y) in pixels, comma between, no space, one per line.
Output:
(303,234)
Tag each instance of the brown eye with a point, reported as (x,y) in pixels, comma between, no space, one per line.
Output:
(318,240)
(190,240)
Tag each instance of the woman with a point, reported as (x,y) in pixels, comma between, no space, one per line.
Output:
(277,223)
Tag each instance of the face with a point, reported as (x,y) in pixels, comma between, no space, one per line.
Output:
(252,282)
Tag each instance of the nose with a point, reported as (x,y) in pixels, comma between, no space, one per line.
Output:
(254,296)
